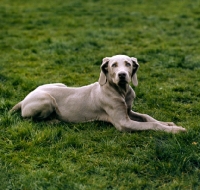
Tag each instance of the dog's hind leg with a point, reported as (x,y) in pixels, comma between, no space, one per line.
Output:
(39,107)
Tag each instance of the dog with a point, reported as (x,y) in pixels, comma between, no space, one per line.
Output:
(110,99)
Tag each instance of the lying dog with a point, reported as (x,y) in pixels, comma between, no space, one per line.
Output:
(110,99)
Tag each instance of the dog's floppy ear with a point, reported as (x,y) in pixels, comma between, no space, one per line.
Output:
(104,70)
(135,68)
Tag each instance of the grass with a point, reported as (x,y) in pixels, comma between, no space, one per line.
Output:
(65,41)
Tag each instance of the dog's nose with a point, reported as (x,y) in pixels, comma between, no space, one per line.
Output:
(122,75)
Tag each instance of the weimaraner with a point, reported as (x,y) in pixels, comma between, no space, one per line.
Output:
(110,99)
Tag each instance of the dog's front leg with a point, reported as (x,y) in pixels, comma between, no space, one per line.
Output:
(120,119)
(130,125)
(146,118)
(140,117)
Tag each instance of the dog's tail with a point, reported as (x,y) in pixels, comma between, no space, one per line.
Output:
(16,107)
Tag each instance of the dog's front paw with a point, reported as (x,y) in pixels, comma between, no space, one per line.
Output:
(179,129)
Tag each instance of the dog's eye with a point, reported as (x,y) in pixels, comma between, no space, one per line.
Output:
(128,64)
(114,65)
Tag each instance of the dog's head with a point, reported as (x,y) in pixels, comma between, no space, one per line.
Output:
(119,69)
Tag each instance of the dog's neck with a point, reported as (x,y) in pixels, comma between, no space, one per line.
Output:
(122,88)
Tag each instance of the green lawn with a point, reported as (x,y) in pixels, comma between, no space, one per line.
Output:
(46,41)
